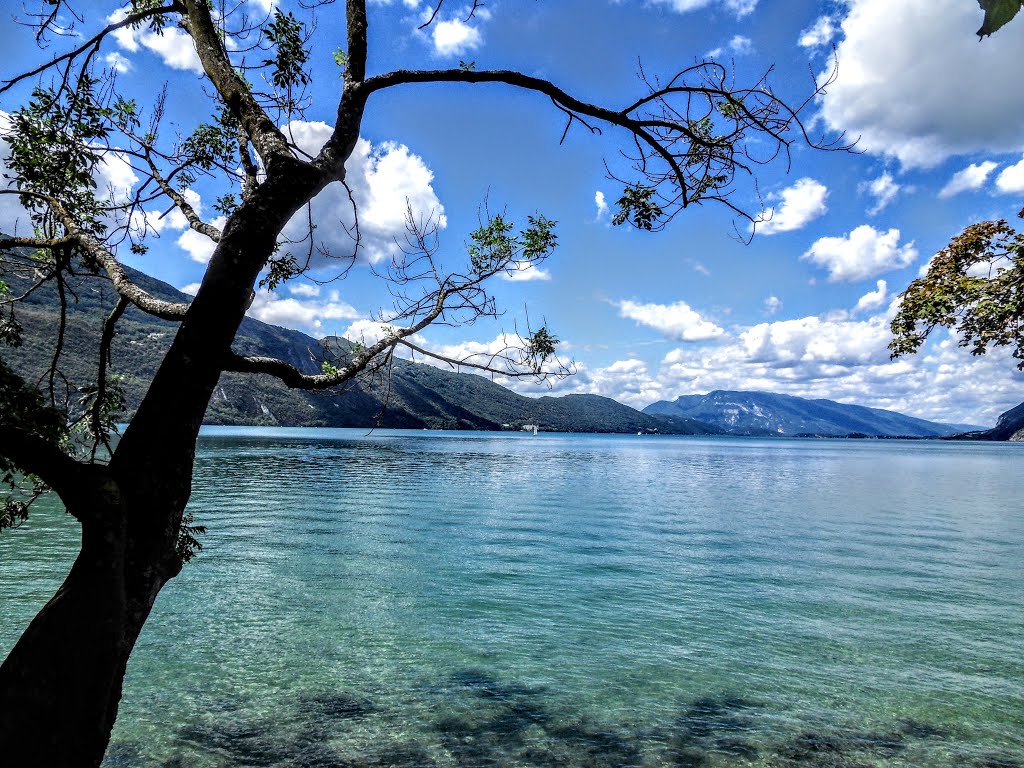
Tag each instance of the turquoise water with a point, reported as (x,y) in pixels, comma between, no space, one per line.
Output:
(473,599)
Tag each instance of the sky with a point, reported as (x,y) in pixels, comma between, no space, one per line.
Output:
(803,308)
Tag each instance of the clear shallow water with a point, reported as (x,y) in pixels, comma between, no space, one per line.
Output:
(466,599)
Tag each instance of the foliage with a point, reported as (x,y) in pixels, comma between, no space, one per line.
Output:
(24,408)
(998,13)
(494,248)
(540,346)
(286,34)
(975,285)
(639,207)
(53,143)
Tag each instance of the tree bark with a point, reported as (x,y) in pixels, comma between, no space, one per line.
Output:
(61,684)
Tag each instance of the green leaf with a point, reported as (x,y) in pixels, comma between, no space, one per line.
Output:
(997,14)
(638,206)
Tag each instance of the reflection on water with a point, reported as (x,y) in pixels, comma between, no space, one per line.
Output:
(419,599)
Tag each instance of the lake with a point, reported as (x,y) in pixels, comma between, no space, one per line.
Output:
(477,599)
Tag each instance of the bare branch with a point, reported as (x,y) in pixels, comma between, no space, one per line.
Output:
(193,219)
(691,135)
(93,42)
(166,310)
(437,8)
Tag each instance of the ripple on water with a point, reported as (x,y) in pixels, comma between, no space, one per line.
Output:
(417,600)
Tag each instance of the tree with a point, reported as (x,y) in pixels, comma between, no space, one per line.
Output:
(997,14)
(692,135)
(976,283)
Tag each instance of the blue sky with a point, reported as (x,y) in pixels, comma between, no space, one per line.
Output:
(802,309)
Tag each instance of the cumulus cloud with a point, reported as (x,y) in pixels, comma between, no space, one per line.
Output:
(602,206)
(772,305)
(114,176)
(525,272)
(173,45)
(740,8)
(863,253)
(454,37)
(384,179)
(872,300)
(304,289)
(676,321)
(819,33)
(367,332)
(304,315)
(1011,180)
(264,5)
(848,360)
(118,62)
(970,178)
(738,46)
(899,64)
(800,204)
(832,356)
(199,247)
(883,189)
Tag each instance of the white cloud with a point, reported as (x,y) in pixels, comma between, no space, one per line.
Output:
(863,253)
(454,37)
(883,189)
(740,8)
(741,45)
(13,218)
(383,179)
(676,321)
(819,33)
(173,45)
(367,332)
(970,178)
(1011,180)
(915,84)
(302,315)
(772,305)
(873,300)
(199,247)
(266,6)
(738,46)
(304,289)
(525,272)
(191,289)
(117,62)
(113,175)
(602,205)
(800,204)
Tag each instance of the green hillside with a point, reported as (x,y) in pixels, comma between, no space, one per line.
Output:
(417,396)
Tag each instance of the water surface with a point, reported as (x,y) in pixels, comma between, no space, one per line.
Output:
(473,599)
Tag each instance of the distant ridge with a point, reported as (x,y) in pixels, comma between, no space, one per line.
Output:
(769,414)
(417,396)
(1009,428)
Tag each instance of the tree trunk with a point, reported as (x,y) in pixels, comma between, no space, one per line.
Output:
(61,684)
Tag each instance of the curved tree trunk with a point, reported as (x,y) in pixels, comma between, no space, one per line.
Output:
(61,684)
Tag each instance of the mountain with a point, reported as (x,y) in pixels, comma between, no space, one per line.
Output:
(1009,427)
(415,396)
(764,413)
